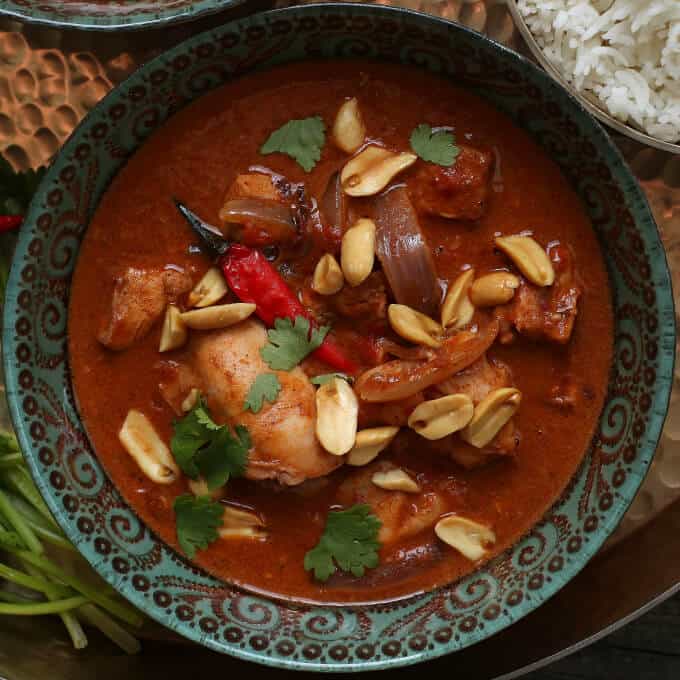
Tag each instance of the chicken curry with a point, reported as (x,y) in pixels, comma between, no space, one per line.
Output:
(340,332)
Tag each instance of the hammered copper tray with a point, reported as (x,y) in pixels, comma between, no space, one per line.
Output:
(49,79)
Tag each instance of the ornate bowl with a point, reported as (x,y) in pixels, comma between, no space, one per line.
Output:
(222,617)
(110,14)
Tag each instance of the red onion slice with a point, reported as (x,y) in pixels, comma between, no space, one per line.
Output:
(404,254)
(396,380)
(269,216)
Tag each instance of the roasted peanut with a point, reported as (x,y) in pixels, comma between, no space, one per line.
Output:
(239,523)
(369,443)
(529,257)
(438,418)
(141,441)
(414,326)
(491,414)
(217,316)
(372,169)
(395,480)
(496,288)
(349,130)
(337,410)
(358,251)
(174,333)
(328,278)
(469,538)
(457,309)
(211,288)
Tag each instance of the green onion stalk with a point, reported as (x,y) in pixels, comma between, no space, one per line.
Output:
(33,548)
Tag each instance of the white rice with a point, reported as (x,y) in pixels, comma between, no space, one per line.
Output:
(624,53)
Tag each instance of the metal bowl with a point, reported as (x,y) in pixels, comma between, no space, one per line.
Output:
(589,102)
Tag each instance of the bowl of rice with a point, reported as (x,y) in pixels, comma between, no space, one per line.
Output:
(621,58)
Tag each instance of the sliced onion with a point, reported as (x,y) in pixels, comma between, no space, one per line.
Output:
(333,207)
(404,254)
(396,380)
(269,216)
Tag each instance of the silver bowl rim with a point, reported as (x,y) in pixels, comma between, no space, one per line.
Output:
(597,111)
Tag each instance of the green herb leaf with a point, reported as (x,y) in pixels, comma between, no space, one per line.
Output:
(349,542)
(300,139)
(191,433)
(266,386)
(202,447)
(290,343)
(17,188)
(224,457)
(435,147)
(327,377)
(197,521)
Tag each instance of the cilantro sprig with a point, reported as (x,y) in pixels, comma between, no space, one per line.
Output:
(349,542)
(265,388)
(203,448)
(434,146)
(301,139)
(289,343)
(197,520)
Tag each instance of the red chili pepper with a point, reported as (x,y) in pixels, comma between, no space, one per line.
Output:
(254,280)
(9,222)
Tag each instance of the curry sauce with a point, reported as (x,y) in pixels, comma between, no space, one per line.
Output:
(561,374)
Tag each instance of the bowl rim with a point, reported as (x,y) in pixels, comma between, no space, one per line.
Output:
(590,105)
(134,21)
(663,380)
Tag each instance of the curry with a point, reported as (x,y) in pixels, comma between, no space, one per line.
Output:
(340,332)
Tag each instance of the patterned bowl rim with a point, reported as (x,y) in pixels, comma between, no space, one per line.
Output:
(133,20)
(661,387)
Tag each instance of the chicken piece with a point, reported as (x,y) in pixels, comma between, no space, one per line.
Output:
(482,377)
(548,313)
(253,185)
(139,299)
(504,444)
(459,192)
(402,514)
(478,379)
(393,413)
(366,301)
(224,365)
(263,210)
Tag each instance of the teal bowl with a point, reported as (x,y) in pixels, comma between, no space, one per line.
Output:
(336,638)
(110,15)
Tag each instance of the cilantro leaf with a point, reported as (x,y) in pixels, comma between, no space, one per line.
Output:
(201,447)
(290,343)
(301,139)
(197,521)
(348,542)
(224,457)
(266,386)
(190,434)
(434,146)
(327,377)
